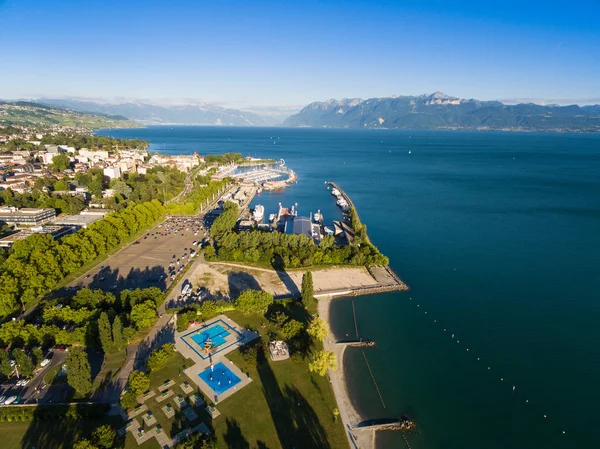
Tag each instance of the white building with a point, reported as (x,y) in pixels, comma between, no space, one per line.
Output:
(112,172)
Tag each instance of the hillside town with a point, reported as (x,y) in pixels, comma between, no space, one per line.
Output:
(29,166)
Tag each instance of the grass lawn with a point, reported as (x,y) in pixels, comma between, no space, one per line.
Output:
(51,434)
(286,406)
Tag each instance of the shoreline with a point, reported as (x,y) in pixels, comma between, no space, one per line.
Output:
(348,413)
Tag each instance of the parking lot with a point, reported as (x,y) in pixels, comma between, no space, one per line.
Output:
(151,261)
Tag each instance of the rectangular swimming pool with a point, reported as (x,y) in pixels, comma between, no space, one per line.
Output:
(219,378)
(217,335)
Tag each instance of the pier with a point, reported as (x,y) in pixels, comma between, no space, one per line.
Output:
(357,343)
(397,425)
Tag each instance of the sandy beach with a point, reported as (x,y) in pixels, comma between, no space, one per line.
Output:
(350,417)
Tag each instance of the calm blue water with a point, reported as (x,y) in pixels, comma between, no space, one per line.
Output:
(216,334)
(220,379)
(497,235)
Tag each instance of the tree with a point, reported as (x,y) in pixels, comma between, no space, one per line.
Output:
(307,289)
(24,363)
(143,315)
(197,440)
(160,356)
(121,188)
(317,328)
(104,436)
(84,444)
(5,367)
(138,382)
(61,162)
(37,355)
(291,329)
(128,400)
(117,332)
(61,185)
(79,373)
(322,361)
(253,301)
(105,333)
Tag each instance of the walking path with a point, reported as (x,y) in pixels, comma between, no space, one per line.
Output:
(348,414)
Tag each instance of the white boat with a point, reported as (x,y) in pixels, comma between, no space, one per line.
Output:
(342,203)
(328,231)
(259,213)
(318,217)
(272,218)
(335,192)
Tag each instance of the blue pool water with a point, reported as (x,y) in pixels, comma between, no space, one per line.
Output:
(222,378)
(216,333)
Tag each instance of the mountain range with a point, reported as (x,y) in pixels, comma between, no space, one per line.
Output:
(440,111)
(179,114)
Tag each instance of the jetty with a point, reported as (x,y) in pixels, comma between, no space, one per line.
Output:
(357,343)
(396,425)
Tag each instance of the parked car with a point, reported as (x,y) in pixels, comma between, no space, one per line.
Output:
(44,362)
(10,400)
(2,399)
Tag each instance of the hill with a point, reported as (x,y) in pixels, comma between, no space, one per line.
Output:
(22,113)
(184,114)
(440,111)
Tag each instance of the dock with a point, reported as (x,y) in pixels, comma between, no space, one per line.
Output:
(397,425)
(357,343)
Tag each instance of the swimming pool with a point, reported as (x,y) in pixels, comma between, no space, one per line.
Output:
(217,335)
(219,378)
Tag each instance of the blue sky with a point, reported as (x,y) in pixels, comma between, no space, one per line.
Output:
(252,53)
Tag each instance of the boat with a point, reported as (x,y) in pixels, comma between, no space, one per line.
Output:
(272,218)
(335,192)
(259,213)
(259,191)
(318,217)
(328,231)
(342,203)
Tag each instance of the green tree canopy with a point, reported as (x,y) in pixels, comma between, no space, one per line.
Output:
(61,162)
(84,444)
(317,328)
(105,333)
(253,301)
(61,185)
(143,314)
(104,436)
(117,333)
(321,361)
(307,289)
(24,362)
(291,329)
(138,382)
(79,373)
(160,356)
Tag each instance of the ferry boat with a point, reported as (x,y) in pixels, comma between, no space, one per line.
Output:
(318,217)
(259,213)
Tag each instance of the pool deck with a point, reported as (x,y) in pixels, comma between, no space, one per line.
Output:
(185,346)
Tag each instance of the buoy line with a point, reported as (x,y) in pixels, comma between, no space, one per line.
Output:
(355,322)
(435,321)
(373,377)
